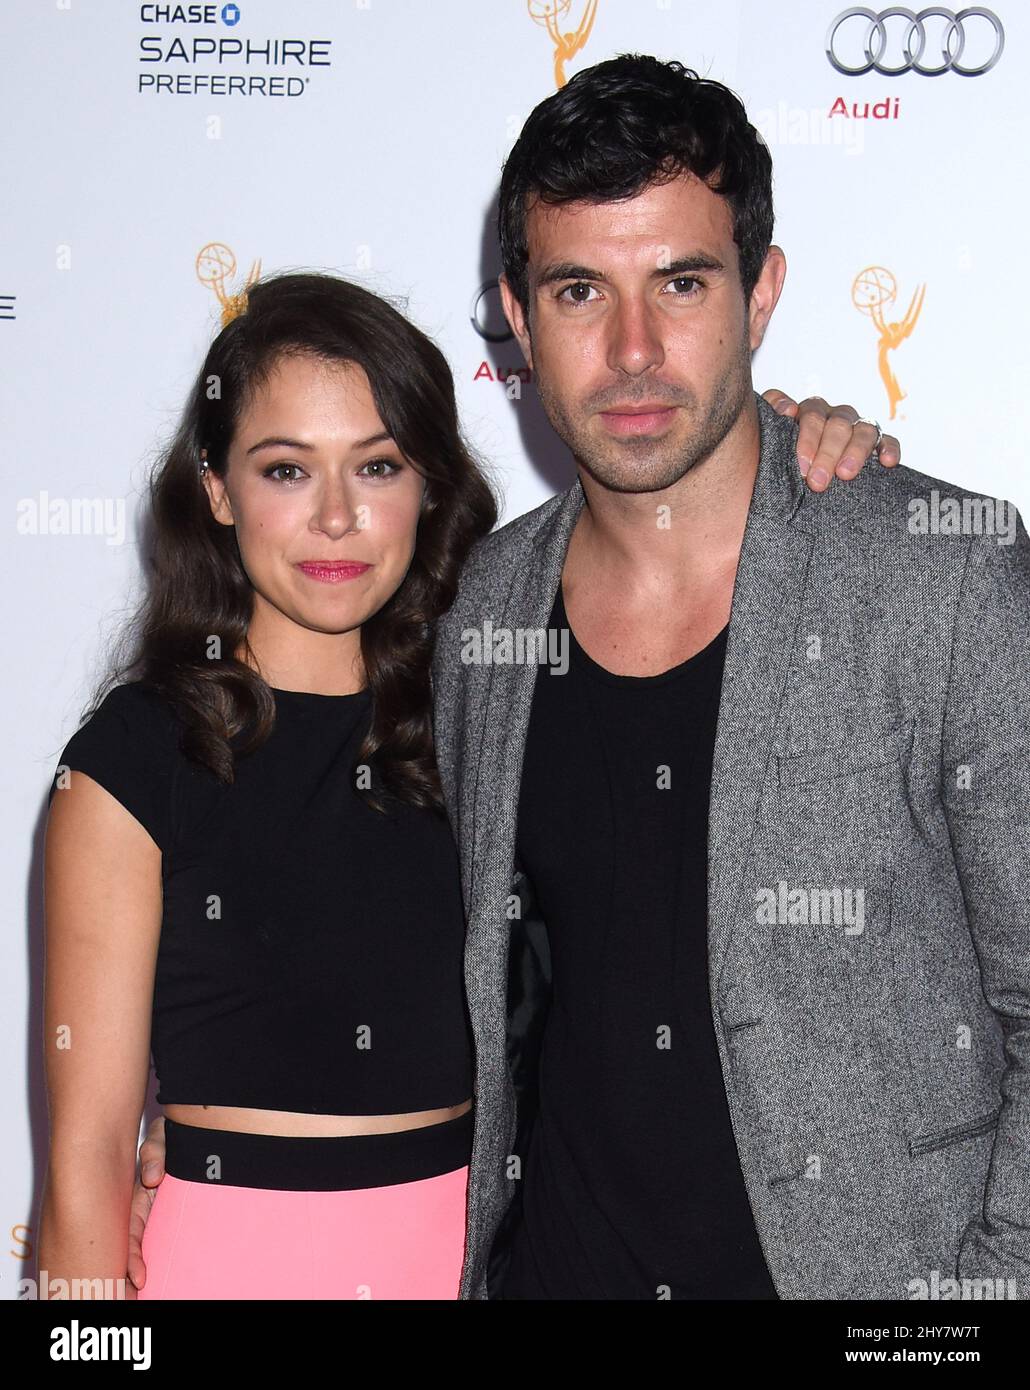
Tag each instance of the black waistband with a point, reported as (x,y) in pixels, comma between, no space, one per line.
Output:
(319,1164)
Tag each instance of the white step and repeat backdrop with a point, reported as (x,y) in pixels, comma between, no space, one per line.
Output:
(155,155)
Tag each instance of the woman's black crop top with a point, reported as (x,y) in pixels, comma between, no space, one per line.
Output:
(310,956)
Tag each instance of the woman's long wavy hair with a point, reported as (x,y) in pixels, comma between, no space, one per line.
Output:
(197,610)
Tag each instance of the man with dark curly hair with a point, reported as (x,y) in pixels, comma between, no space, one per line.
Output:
(747,875)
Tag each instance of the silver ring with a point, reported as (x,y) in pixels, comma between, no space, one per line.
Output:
(874,452)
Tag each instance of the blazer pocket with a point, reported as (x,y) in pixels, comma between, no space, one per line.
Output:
(832,818)
(855,752)
(944,1138)
(839,803)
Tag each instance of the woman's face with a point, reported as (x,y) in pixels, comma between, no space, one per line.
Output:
(324,503)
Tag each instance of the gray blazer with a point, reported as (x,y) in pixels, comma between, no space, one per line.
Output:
(873,747)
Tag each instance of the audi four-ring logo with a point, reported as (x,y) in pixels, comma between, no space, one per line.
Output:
(914,43)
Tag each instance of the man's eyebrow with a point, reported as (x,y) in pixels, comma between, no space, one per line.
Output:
(682,265)
(281,442)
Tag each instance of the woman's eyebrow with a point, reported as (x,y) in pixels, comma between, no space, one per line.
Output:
(281,442)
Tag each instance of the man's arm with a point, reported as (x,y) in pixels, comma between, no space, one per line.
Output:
(152,1170)
(986,729)
(832,442)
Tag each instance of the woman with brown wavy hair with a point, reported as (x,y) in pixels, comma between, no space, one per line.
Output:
(248,868)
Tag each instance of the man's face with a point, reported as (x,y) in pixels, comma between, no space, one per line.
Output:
(638,306)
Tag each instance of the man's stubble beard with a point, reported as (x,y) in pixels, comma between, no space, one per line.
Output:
(645,465)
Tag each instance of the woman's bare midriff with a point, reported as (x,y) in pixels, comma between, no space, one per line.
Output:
(296,1123)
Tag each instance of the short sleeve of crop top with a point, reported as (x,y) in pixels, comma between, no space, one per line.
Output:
(129,746)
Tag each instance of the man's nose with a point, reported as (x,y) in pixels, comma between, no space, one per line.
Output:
(635,343)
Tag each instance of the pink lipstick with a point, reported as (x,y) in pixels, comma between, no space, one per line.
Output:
(332,571)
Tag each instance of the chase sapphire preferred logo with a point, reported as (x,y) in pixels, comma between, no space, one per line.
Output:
(186,51)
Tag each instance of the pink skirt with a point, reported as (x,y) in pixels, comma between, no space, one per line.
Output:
(257,1216)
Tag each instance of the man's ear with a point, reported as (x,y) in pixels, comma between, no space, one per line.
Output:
(217,495)
(516,320)
(765,294)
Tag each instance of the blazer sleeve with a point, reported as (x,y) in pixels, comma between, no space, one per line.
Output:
(987,731)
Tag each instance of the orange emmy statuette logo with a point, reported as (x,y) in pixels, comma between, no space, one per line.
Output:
(216,265)
(551,14)
(873,293)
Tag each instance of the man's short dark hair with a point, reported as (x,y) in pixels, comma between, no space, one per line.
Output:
(622,126)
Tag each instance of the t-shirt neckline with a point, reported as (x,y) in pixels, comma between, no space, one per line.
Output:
(626,682)
(312,696)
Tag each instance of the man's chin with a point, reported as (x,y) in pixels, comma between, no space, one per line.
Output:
(636,474)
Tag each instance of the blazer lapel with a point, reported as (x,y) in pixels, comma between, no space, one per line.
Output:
(764,616)
(498,773)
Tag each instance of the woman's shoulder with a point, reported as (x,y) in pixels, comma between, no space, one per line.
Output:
(140,710)
(129,744)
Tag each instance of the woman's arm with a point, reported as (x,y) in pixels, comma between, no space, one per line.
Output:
(103,903)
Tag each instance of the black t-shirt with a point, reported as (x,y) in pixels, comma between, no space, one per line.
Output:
(632,1185)
(310,955)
